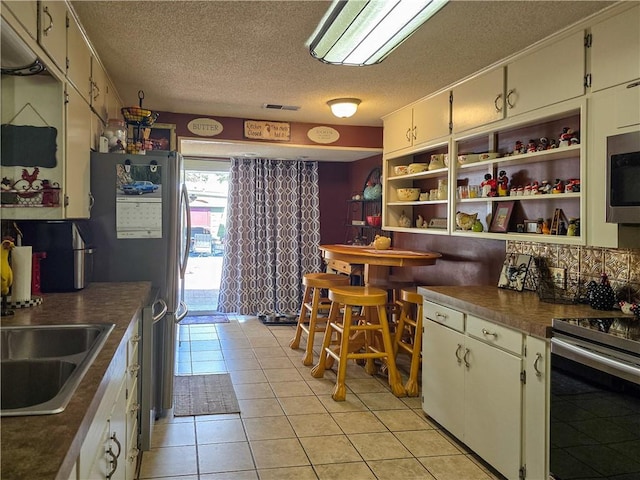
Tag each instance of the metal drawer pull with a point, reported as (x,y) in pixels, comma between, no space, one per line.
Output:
(408,135)
(441,315)
(489,334)
(509,93)
(48,29)
(466,360)
(535,364)
(458,356)
(633,84)
(134,408)
(117,442)
(134,369)
(114,462)
(135,339)
(495,103)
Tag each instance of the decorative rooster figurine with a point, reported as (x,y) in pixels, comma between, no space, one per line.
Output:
(6,272)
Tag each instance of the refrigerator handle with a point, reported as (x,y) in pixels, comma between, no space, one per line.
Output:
(181,314)
(163,311)
(187,242)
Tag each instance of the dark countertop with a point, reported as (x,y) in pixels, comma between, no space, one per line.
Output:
(519,310)
(47,446)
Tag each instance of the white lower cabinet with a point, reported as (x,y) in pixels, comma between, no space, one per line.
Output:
(110,449)
(536,407)
(474,385)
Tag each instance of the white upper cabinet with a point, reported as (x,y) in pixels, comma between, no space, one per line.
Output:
(431,118)
(546,76)
(417,124)
(79,60)
(52,34)
(398,130)
(77,174)
(615,50)
(99,89)
(26,12)
(478,101)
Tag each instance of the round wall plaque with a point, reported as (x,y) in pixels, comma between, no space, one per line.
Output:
(205,127)
(323,134)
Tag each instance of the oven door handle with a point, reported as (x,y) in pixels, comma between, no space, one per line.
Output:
(607,364)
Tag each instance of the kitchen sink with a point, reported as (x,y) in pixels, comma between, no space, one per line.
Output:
(41,366)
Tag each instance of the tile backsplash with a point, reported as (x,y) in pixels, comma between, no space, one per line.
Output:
(584,264)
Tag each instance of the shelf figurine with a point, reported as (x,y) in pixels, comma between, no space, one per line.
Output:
(489,186)
(535,188)
(420,221)
(545,187)
(565,137)
(544,144)
(531,146)
(558,187)
(573,185)
(519,148)
(503,184)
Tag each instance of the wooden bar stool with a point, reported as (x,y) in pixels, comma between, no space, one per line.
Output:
(356,334)
(408,336)
(314,303)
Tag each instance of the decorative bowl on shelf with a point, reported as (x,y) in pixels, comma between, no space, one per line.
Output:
(407,194)
(374,220)
(464,159)
(400,170)
(417,167)
(488,156)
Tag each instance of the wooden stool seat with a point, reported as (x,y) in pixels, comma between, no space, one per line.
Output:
(313,303)
(408,336)
(357,336)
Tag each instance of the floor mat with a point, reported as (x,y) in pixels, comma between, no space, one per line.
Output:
(204,319)
(279,319)
(204,395)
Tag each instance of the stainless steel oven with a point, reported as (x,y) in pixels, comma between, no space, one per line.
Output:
(595,399)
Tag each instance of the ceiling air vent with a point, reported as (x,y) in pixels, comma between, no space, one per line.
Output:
(273,106)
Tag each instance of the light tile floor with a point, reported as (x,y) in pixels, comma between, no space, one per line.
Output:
(289,426)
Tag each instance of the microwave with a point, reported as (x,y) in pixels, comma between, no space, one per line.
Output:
(623,178)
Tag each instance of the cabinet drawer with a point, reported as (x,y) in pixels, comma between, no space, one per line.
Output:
(495,334)
(444,315)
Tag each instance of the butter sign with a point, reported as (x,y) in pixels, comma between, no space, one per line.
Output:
(260,130)
(205,127)
(323,134)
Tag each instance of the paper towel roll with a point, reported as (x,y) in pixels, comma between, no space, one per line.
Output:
(21,266)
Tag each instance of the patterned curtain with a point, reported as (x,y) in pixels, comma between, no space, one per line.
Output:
(272,238)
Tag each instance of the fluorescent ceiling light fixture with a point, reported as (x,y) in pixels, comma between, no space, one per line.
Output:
(344,107)
(361,32)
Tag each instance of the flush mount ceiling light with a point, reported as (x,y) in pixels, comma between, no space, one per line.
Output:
(361,32)
(344,107)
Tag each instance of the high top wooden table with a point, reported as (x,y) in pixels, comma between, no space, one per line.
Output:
(378,262)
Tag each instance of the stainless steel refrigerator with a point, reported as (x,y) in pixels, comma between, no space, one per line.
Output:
(140,222)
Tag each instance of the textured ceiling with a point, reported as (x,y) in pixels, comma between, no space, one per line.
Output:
(228,58)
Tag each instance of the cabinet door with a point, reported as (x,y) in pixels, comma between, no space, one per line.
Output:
(398,130)
(615,48)
(100,89)
(443,376)
(536,408)
(431,118)
(79,60)
(546,76)
(478,101)
(52,34)
(493,406)
(118,433)
(26,12)
(77,173)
